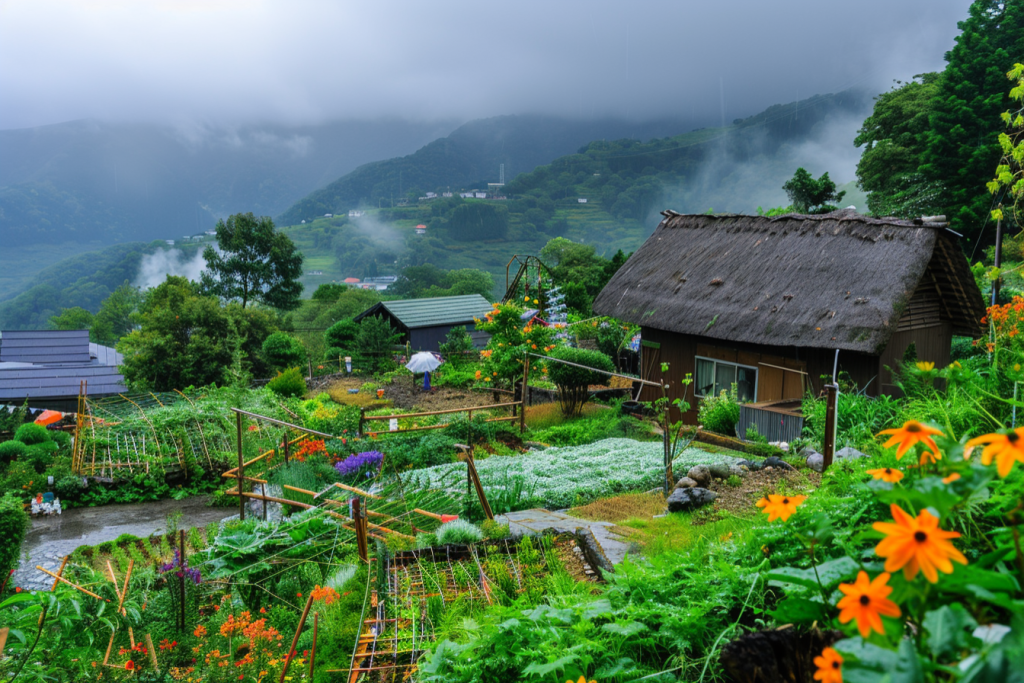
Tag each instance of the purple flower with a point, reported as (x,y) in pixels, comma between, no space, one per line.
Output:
(368,462)
(180,571)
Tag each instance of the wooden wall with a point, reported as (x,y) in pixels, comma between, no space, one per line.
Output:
(773,383)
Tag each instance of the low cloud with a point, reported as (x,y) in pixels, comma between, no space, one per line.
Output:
(155,267)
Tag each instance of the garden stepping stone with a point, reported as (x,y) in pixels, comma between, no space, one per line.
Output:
(537,521)
(686,500)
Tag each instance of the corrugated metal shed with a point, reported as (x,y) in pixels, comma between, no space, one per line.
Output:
(45,346)
(446,310)
(55,366)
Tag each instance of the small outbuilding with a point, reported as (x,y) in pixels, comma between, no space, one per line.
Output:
(50,367)
(425,323)
(771,304)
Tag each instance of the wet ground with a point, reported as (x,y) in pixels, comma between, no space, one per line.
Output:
(53,537)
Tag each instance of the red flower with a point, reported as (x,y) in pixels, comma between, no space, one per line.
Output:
(129,665)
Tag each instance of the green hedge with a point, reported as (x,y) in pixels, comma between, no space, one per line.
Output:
(14,522)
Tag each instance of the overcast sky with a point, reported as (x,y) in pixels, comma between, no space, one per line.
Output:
(232,62)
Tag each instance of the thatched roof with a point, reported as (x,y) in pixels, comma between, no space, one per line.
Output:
(836,281)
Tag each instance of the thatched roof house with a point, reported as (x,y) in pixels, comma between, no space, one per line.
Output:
(767,302)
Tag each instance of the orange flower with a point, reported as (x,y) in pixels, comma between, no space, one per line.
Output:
(477,374)
(917,545)
(583,679)
(951,478)
(887,474)
(830,666)
(911,433)
(776,506)
(865,601)
(1006,448)
(129,665)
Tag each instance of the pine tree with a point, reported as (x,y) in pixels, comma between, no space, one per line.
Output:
(963,148)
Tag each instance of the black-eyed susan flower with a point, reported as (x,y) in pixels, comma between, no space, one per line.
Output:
(917,544)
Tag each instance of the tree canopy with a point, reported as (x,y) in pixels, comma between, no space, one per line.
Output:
(808,195)
(895,137)
(187,339)
(254,262)
(963,148)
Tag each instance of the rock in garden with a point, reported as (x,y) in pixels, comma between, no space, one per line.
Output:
(736,471)
(815,460)
(686,483)
(719,470)
(776,461)
(751,465)
(684,500)
(849,453)
(700,474)
(535,445)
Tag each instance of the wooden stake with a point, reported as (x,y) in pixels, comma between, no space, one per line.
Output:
(110,644)
(471,465)
(124,591)
(522,407)
(295,640)
(113,580)
(312,649)
(3,643)
(286,448)
(360,524)
(241,470)
(73,585)
(152,653)
(60,572)
(353,489)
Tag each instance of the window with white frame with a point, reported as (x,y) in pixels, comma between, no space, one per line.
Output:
(714,376)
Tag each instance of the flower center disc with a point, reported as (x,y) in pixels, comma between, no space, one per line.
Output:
(920,536)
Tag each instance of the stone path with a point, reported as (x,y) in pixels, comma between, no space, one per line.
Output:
(533,522)
(53,537)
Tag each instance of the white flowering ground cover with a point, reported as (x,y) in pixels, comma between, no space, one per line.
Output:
(562,477)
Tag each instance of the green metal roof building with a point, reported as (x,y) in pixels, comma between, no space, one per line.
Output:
(424,323)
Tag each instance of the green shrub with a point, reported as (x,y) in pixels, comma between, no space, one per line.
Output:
(9,451)
(22,480)
(62,439)
(14,522)
(40,455)
(494,531)
(30,433)
(458,532)
(454,377)
(288,383)
(283,350)
(720,413)
(457,346)
(68,487)
(574,383)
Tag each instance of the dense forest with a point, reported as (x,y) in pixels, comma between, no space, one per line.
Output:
(470,157)
(83,281)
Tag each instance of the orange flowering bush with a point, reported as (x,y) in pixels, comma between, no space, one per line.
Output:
(511,339)
(916,586)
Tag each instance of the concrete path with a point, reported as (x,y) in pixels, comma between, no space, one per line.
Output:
(533,522)
(53,537)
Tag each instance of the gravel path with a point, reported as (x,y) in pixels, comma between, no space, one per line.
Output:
(52,538)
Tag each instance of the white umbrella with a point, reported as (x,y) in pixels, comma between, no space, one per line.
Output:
(424,361)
